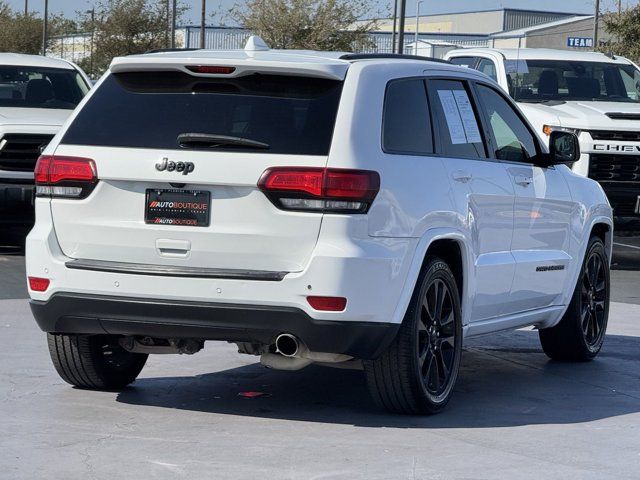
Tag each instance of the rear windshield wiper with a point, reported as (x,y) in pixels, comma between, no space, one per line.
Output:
(212,140)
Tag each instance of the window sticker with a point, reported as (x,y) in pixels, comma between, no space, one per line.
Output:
(468,117)
(452,115)
(463,127)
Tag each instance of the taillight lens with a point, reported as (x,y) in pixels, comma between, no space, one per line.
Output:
(38,284)
(66,177)
(211,69)
(329,190)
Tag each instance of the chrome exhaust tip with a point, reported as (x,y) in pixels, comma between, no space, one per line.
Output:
(287,345)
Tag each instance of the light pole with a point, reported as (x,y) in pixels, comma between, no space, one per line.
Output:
(596,19)
(403,8)
(26,7)
(417,26)
(173,23)
(45,25)
(202,22)
(92,12)
(395,23)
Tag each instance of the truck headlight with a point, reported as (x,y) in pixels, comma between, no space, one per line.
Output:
(547,129)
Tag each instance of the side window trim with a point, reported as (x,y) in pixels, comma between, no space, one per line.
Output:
(487,127)
(438,132)
(429,115)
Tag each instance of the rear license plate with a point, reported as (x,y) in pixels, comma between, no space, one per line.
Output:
(178,207)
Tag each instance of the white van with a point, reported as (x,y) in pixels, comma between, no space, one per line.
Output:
(593,95)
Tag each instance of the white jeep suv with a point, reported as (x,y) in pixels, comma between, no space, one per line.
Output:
(355,210)
(37,94)
(593,95)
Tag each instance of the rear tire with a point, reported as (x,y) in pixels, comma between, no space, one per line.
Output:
(94,362)
(418,371)
(578,337)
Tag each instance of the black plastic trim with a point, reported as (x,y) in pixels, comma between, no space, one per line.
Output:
(395,56)
(173,270)
(81,314)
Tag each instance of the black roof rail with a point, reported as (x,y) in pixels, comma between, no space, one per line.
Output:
(373,56)
(167,50)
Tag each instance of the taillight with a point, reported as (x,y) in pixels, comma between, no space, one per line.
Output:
(329,190)
(38,284)
(65,177)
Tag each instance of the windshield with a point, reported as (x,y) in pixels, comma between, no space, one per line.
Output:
(539,81)
(35,87)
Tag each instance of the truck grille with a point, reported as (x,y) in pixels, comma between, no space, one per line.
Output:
(615,135)
(20,151)
(614,168)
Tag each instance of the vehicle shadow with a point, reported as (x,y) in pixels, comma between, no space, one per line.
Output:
(505,380)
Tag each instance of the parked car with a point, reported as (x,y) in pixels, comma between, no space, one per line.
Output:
(367,211)
(593,95)
(37,94)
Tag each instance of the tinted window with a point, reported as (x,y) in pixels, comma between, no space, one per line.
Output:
(463,61)
(488,68)
(293,115)
(406,127)
(514,141)
(35,87)
(458,126)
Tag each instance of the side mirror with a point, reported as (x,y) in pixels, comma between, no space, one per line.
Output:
(564,148)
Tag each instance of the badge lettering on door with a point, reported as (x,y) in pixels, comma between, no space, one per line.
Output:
(183,167)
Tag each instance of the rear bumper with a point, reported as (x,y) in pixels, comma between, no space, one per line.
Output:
(100,314)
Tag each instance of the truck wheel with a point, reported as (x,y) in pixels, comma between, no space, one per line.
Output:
(418,371)
(578,337)
(95,362)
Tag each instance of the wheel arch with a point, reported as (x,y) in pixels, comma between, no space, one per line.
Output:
(453,248)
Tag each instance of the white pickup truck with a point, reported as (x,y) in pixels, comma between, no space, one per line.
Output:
(593,95)
(37,94)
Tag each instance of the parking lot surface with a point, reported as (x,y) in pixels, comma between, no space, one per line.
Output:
(514,414)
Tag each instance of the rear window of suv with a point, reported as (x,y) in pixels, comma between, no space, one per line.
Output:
(291,115)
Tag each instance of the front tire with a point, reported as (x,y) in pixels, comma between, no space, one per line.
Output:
(418,371)
(578,337)
(95,362)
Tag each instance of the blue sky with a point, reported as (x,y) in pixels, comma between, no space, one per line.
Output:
(69,7)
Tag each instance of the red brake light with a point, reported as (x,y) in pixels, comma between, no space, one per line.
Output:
(39,284)
(320,189)
(61,176)
(328,304)
(212,69)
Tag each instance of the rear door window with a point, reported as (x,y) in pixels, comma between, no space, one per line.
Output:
(291,115)
(454,113)
(488,67)
(406,126)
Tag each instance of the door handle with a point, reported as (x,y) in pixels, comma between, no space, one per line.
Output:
(461,176)
(173,248)
(523,180)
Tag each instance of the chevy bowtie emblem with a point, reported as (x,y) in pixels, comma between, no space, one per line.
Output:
(183,167)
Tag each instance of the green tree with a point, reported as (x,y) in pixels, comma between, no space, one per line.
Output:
(126,27)
(307,24)
(20,33)
(624,32)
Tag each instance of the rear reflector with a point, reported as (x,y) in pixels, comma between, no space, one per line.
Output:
(211,69)
(60,176)
(320,189)
(328,304)
(39,284)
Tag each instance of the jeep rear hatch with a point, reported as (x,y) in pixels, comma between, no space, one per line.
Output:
(164,141)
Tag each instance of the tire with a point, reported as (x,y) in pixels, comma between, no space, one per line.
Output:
(418,371)
(95,362)
(579,335)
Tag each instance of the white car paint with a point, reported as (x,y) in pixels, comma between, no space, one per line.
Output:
(505,230)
